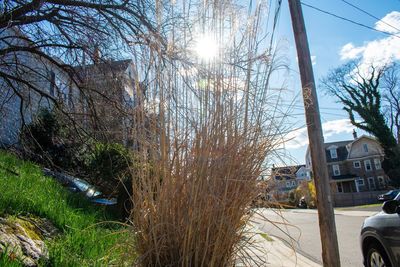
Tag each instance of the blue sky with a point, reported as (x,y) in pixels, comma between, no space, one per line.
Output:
(333,41)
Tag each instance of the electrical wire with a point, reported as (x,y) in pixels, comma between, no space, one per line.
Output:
(371,15)
(348,20)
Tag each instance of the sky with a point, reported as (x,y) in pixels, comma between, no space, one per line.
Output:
(333,42)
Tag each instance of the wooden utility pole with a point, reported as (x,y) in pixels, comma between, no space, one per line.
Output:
(326,216)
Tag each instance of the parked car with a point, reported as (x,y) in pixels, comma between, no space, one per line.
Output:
(79,185)
(302,203)
(380,236)
(388,195)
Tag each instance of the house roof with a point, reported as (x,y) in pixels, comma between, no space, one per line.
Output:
(341,150)
(285,172)
(350,146)
(105,67)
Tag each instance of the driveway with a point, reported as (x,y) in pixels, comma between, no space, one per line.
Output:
(300,230)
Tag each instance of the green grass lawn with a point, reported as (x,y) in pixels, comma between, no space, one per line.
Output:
(85,240)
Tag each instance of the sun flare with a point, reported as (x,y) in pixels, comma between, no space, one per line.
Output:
(206,47)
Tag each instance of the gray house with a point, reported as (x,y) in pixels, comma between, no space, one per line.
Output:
(355,168)
(19,102)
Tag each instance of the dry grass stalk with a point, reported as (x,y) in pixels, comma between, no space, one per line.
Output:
(202,154)
(198,215)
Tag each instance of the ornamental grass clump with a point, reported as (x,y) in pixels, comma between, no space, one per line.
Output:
(205,133)
(197,215)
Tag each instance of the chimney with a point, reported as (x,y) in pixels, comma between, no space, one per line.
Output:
(96,55)
(354,134)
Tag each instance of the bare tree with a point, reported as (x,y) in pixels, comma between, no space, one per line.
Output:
(40,38)
(364,93)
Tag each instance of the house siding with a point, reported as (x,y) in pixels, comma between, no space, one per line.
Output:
(349,152)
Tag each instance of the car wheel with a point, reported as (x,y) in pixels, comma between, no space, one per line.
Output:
(376,257)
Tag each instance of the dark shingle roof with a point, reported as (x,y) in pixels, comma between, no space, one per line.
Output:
(286,172)
(341,150)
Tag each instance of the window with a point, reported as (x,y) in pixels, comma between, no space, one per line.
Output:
(333,153)
(371,183)
(288,184)
(381,181)
(360,182)
(293,183)
(356,164)
(365,147)
(377,164)
(61,88)
(336,170)
(339,187)
(367,164)
(52,82)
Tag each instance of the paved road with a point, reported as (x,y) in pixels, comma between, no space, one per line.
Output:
(300,229)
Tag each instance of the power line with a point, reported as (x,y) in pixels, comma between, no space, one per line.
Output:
(348,20)
(369,14)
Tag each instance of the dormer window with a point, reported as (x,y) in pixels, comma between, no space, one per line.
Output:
(365,147)
(333,152)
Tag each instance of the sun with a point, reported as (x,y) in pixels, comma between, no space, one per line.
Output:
(206,47)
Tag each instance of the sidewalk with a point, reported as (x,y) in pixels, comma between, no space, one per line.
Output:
(274,253)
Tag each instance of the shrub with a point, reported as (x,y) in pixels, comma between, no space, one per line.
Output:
(292,199)
(38,137)
(307,190)
(108,165)
(49,142)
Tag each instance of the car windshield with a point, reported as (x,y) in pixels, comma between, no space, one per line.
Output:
(392,192)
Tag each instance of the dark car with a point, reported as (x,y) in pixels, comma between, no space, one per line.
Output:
(94,195)
(380,236)
(79,185)
(388,195)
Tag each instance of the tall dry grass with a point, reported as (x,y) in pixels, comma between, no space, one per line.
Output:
(197,215)
(205,133)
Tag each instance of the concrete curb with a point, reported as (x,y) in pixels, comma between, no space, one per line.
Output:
(354,213)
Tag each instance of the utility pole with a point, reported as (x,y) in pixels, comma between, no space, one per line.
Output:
(326,216)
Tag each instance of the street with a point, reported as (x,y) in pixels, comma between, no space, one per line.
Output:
(300,229)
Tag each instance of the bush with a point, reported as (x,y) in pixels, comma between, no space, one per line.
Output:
(46,141)
(293,201)
(307,190)
(108,165)
(39,136)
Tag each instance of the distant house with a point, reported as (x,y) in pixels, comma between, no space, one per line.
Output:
(102,101)
(354,165)
(111,94)
(284,179)
(19,101)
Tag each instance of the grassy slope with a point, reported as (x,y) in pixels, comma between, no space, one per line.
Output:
(84,241)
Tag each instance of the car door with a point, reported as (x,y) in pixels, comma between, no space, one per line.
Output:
(390,232)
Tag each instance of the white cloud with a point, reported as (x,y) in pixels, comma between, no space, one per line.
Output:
(380,51)
(389,23)
(299,138)
(331,128)
(349,51)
